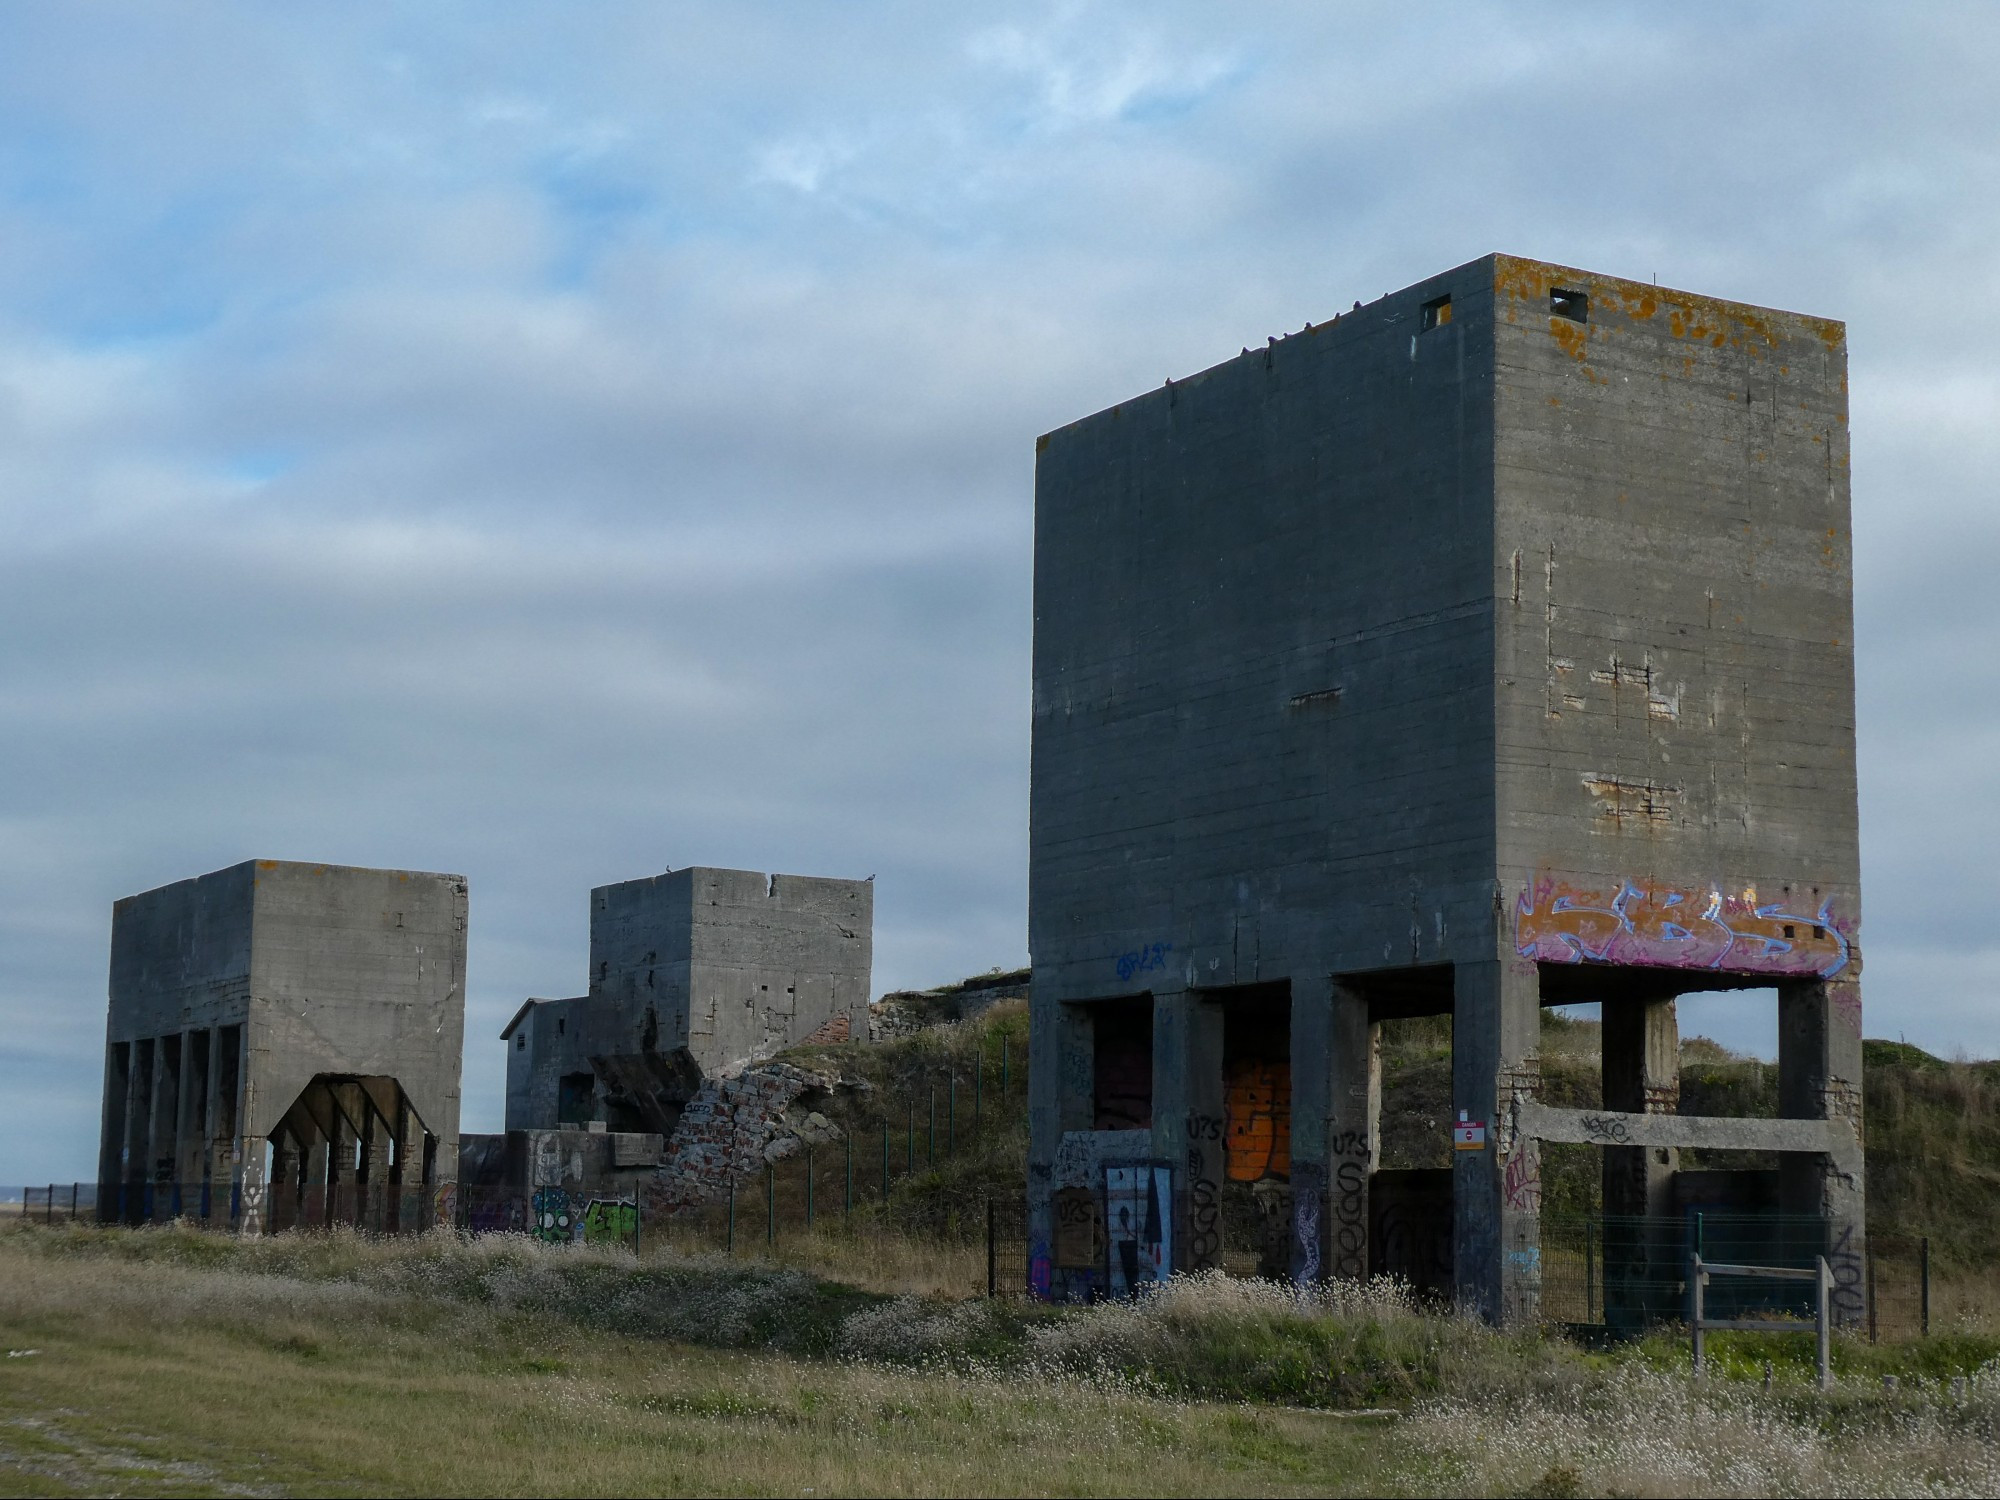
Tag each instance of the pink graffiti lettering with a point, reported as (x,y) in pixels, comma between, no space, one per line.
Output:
(1691,928)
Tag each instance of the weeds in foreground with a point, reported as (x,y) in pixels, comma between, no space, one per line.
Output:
(593,1330)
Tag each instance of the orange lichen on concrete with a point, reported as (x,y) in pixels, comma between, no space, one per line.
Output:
(1571,336)
(1711,320)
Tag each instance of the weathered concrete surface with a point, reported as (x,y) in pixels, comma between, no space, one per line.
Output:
(691,972)
(1484,647)
(1605,1127)
(233,992)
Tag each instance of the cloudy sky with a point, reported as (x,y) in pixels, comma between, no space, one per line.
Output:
(552,443)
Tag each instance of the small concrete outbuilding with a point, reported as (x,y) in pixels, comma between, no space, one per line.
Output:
(1485,648)
(284,1046)
(692,974)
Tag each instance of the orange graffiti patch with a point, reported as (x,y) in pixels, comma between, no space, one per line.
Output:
(1258,1103)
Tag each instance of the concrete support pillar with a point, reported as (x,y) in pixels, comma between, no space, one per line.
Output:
(160,1125)
(1641,1063)
(1050,1104)
(190,1118)
(374,1168)
(111,1140)
(220,1132)
(1188,1120)
(318,1165)
(1353,1129)
(138,1115)
(253,1186)
(339,1164)
(1819,1078)
(1496,1186)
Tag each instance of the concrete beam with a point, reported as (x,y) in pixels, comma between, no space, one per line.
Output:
(1603,1127)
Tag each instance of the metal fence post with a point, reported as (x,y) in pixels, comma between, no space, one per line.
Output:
(729,1242)
(1004,1049)
(978,1085)
(809,1189)
(885,1161)
(1590,1270)
(991,1263)
(951,1115)
(1868,1253)
(770,1204)
(1823,1328)
(48,1207)
(1697,1284)
(1925,1254)
(930,1140)
(847,1205)
(910,1136)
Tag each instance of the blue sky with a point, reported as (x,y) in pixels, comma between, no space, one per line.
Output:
(553,443)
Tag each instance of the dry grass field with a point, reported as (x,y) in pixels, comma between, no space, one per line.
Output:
(172,1362)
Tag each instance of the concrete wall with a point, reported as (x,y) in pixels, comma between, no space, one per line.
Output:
(775,959)
(693,972)
(180,955)
(231,992)
(1674,567)
(357,971)
(1263,646)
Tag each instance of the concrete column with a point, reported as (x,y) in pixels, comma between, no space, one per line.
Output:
(1311,1016)
(111,1139)
(1353,1129)
(374,1167)
(138,1115)
(1641,1065)
(218,1133)
(189,1119)
(160,1124)
(318,1166)
(1188,1120)
(1819,1078)
(1046,1047)
(339,1163)
(1497,1187)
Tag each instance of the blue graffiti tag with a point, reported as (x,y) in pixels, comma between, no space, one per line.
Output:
(1144,960)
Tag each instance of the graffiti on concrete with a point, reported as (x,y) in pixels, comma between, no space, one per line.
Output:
(444,1203)
(1138,1213)
(1693,927)
(609,1221)
(1079,1241)
(1144,960)
(553,1223)
(1204,1133)
(253,1208)
(1521,1187)
(1259,1140)
(1308,1191)
(1039,1271)
(1350,1217)
(489,1215)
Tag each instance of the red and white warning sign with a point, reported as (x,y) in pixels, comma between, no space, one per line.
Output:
(1468,1134)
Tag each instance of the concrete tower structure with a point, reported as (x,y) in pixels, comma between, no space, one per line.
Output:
(283,1046)
(1484,648)
(690,972)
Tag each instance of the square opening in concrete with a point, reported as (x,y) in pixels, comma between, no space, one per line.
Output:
(1121,1089)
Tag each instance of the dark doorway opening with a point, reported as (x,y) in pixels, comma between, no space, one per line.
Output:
(1121,1089)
